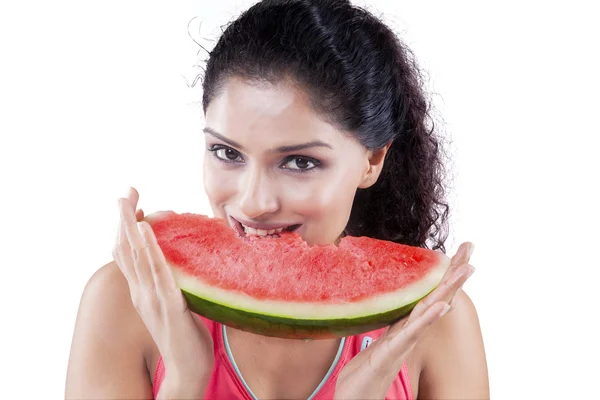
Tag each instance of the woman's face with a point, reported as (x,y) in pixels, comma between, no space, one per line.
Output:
(271,163)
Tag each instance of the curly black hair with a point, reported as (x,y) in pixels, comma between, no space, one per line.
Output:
(364,80)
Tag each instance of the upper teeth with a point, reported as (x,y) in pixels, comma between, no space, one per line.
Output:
(260,232)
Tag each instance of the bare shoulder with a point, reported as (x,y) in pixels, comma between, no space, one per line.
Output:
(461,318)
(107,352)
(107,278)
(452,355)
(107,291)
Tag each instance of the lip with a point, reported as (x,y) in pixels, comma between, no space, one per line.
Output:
(266,227)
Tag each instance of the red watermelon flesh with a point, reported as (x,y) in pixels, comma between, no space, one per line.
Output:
(287,288)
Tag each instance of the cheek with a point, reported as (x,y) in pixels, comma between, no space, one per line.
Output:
(327,201)
(323,198)
(217,183)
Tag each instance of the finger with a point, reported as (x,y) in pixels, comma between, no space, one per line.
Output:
(122,252)
(405,339)
(136,245)
(139,215)
(444,292)
(133,196)
(400,341)
(454,297)
(455,263)
(462,254)
(461,257)
(163,277)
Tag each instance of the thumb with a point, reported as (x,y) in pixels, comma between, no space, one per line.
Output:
(139,215)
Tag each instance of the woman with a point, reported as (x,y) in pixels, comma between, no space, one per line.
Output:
(316,118)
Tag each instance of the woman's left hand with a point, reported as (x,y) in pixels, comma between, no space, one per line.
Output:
(371,372)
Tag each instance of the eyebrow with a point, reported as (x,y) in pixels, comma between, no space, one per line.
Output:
(216,134)
(281,149)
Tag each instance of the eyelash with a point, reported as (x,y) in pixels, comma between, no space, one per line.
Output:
(315,162)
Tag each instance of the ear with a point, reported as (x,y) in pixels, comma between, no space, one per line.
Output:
(375,160)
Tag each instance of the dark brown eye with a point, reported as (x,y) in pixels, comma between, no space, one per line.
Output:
(227,154)
(300,163)
(230,154)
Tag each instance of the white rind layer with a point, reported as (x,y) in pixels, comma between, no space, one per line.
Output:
(307,310)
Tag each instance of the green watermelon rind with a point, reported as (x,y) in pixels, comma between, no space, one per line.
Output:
(281,326)
(229,309)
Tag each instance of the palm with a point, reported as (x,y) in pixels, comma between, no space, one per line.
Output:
(371,372)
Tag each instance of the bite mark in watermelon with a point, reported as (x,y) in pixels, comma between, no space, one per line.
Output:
(285,288)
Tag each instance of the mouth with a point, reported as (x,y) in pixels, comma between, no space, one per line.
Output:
(249,229)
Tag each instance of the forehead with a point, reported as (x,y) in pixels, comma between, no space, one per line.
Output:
(265,113)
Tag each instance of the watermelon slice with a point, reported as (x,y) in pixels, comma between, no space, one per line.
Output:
(285,288)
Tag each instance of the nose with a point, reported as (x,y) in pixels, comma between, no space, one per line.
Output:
(258,194)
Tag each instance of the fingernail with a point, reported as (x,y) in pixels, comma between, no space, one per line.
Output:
(445,310)
(471,248)
(471,270)
(128,192)
(458,256)
(463,272)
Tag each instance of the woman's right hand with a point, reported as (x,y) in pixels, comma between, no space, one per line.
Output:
(184,343)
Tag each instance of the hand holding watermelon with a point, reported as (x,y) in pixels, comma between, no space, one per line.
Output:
(370,373)
(186,346)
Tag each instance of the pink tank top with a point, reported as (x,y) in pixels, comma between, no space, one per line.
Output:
(226,381)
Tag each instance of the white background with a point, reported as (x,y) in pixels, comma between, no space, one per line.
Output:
(93,99)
